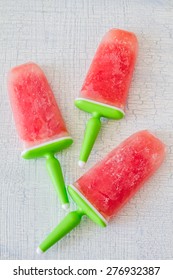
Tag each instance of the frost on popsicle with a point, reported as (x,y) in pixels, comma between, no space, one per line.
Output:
(110,183)
(109,76)
(105,188)
(105,88)
(36,113)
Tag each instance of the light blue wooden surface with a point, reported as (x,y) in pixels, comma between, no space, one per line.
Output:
(62,36)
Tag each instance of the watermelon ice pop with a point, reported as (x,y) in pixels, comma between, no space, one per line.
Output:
(38,120)
(106,85)
(106,187)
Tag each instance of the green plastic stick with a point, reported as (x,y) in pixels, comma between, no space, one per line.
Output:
(53,166)
(93,126)
(72,220)
(55,173)
(65,226)
(92,130)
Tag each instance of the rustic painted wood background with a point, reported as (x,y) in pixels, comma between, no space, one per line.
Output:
(62,36)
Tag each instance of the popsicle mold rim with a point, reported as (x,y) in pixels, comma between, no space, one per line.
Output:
(93,216)
(37,150)
(102,109)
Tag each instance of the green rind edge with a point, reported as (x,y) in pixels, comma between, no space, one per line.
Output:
(48,148)
(103,111)
(86,209)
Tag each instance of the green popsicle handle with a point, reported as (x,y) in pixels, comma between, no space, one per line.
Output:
(48,150)
(55,173)
(65,226)
(92,130)
(98,110)
(72,220)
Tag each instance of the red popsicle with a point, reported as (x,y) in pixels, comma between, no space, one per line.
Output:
(105,88)
(37,115)
(111,182)
(38,120)
(109,76)
(106,187)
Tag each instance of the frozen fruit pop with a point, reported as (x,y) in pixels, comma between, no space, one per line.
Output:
(106,187)
(106,85)
(38,120)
